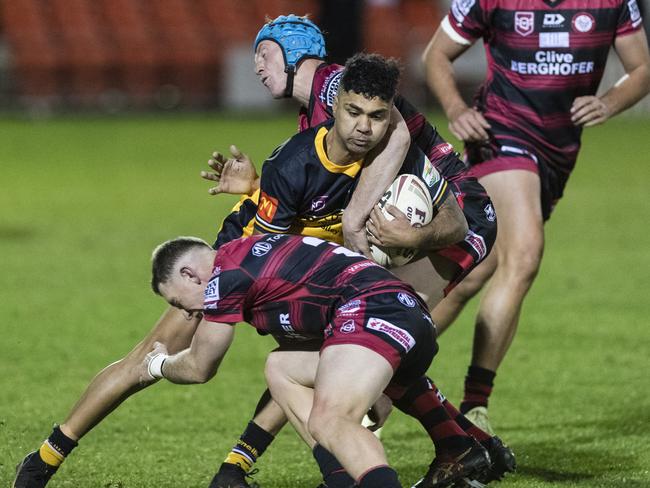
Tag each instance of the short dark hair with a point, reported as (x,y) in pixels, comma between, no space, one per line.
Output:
(165,256)
(371,75)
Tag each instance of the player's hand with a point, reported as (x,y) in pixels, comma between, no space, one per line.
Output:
(234,175)
(391,233)
(589,111)
(144,375)
(469,125)
(355,237)
(380,412)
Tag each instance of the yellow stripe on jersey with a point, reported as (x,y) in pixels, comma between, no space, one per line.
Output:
(248,230)
(441,192)
(350,170)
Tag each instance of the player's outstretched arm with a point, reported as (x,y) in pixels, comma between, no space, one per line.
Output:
(196,364)
(633,53)
(466,123)
(447,227)
(379,171)
(235,175)
(121,379)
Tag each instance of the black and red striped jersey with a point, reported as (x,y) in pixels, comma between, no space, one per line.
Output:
(541,55)
(303,192)
(291,286)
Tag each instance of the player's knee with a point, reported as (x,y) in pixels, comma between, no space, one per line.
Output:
(522,262)
(274,372)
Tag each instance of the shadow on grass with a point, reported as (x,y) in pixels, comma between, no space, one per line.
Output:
(16,233)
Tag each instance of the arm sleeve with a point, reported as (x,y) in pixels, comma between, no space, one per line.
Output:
(467,20)
(629,19)
(278,205)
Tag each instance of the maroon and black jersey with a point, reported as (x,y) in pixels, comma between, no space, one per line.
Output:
(541,55)
(323,92)
(291,286)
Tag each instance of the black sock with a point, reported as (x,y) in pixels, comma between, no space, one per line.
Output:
(478,387)
(333,473)
(251,445)
(56,447)
(380,477)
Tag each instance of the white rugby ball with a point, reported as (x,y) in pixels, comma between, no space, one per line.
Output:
(411,196)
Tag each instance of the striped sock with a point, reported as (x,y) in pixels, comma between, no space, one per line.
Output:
(56,447)
(251,445)
(478,387)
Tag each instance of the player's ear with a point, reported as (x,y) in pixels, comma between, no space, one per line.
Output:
(187,273)
(335,104)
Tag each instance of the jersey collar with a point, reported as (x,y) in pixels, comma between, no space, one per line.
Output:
(351,169)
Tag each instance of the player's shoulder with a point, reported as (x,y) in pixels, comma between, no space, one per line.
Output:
(326,83)
(293,152)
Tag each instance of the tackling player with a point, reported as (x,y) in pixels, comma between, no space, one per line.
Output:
(522,135)
(304,288)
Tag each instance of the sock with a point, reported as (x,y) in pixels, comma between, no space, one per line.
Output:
(424,402)
(56,447)
(478,386)
(251,445)
(465,424)
(379,477)
(334,475)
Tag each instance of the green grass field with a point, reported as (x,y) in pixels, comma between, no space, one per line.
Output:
(84,201)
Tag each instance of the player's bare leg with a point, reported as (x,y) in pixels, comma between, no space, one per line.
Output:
(106,391)
(518,252)
(428,276)
(341,399)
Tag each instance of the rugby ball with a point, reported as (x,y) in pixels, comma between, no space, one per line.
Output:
(411,196)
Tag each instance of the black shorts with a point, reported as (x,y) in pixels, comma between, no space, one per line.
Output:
(485,159)
(395,324)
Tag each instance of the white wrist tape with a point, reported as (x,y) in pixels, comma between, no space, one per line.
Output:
(156,364)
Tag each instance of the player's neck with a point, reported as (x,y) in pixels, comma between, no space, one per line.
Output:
(336,150)
(304,79)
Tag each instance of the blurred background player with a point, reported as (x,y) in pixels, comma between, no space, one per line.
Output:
(522,135)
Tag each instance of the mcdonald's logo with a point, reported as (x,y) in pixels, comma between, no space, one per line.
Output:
(267,207)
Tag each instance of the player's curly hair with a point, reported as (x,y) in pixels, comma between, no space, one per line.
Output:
(371,75)
(165,256)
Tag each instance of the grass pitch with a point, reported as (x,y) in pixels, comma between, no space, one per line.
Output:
(83,202)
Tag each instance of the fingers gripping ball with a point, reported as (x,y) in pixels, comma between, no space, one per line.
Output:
(410,195)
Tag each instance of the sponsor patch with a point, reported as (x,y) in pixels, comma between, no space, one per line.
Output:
(348,327)
(524,23)
(490,214)
(261,248)
(430,174)
(406,300)
(635,12)
(331,88)
(350,307)
(554,39)
(318,203)
(402,337)
(460,8)
(583,22)
(553,20)
(478,244)
(267,207)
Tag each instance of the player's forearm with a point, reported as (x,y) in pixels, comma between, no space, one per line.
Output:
(632,88)
(448,227)
(185,368)
(379,173)
(441,80)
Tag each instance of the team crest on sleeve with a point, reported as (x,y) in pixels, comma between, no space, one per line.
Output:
(583,22)
(348,327)
(430,174)
(524,23)
(331,88)
(490,214)
(402,337)
(460,8)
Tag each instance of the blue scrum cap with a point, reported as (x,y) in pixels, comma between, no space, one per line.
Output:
(298,37)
